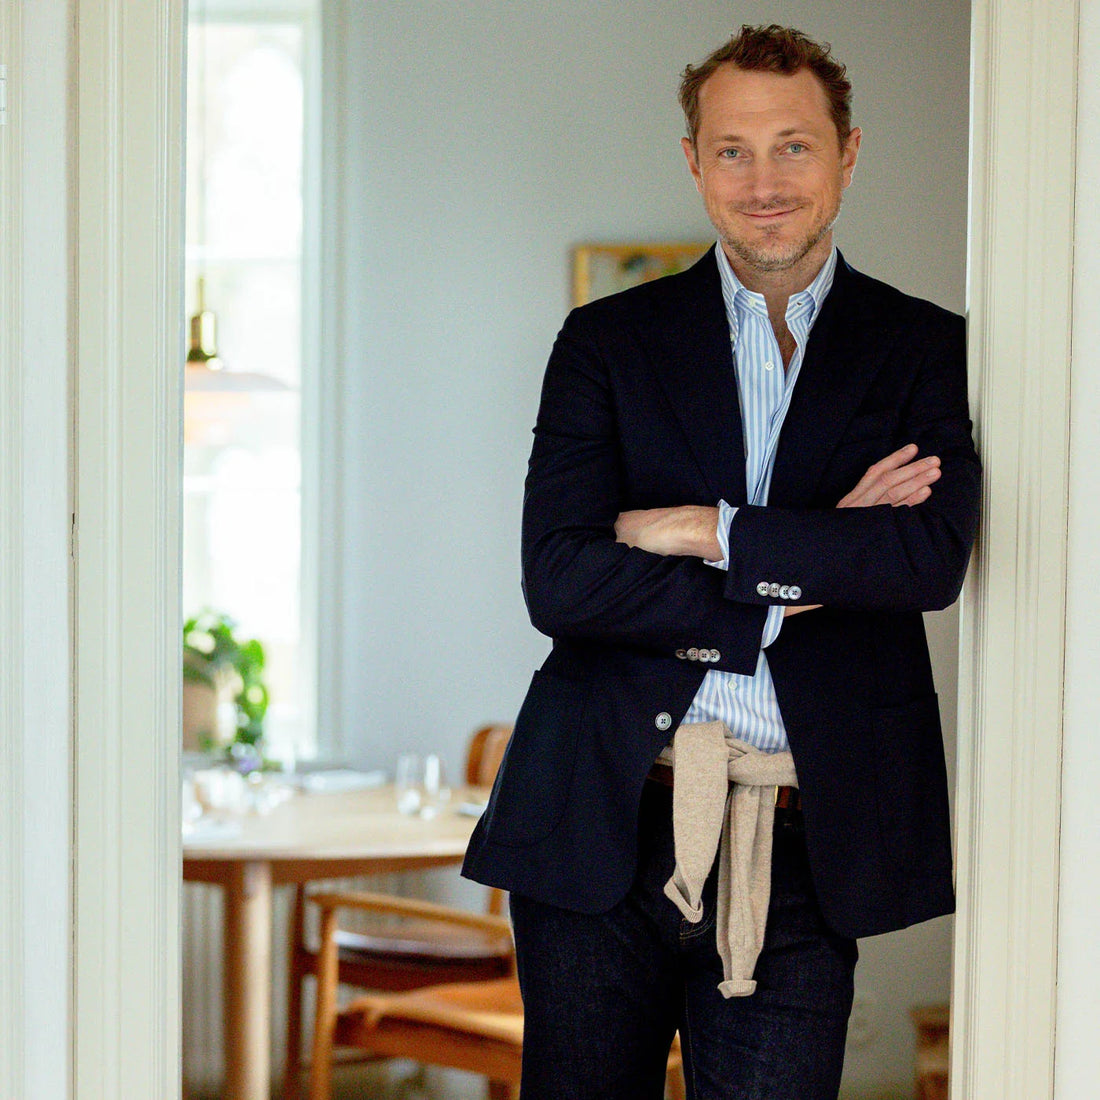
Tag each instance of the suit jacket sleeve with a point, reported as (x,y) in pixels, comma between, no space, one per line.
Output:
(880,558)
(579,582)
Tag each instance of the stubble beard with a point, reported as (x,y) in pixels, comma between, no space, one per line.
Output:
(779,256)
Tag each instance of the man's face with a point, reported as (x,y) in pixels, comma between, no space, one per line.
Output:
(769,167)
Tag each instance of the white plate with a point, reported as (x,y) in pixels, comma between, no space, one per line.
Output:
(211,828)
(340,779)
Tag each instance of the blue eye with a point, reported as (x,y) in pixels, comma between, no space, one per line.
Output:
(730,154)
(796,147)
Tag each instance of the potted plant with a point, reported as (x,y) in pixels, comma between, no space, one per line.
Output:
(222,671)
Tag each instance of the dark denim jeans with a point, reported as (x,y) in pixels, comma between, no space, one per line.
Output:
(604,994)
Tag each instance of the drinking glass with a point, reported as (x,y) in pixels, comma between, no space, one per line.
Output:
(436,792)
(409,783)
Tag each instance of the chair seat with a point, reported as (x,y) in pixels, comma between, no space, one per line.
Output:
(426,941)
(490,1010)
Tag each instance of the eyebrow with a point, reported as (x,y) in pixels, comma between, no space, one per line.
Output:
(791,131)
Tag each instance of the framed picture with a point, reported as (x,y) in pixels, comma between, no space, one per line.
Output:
(602,269)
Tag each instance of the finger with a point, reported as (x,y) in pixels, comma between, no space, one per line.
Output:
(911,471)
(900,457)
(918,496)
(899,492)
(893,486)
(868,489)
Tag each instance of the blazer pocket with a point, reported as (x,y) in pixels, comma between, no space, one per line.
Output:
(532,788)
(912,782)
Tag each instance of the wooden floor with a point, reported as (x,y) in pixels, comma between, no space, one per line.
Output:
(403,1081)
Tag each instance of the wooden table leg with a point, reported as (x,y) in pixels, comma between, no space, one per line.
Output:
(247,981)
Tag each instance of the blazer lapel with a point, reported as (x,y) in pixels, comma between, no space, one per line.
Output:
(845,351)
(695,369)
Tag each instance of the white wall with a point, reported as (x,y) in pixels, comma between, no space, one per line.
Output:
(475,144)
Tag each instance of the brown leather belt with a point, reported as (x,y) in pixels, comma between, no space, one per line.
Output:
(786,798)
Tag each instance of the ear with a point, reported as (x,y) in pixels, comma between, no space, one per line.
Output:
(693,163)
(849,154)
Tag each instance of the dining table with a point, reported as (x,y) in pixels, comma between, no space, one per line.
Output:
(307,837)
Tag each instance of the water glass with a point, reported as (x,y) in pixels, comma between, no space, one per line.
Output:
(409,783)
(436,792)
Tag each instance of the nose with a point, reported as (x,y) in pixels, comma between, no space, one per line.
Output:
(764,180)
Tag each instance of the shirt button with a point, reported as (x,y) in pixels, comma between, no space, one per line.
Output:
(769,365)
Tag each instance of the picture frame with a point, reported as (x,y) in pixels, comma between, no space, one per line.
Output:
(601,269)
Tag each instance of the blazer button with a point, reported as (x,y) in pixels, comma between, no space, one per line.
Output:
(663,720)
(693,654)
(796,592)
(715,655)
(762,588)
(784,592)
(773,589)
(681,654)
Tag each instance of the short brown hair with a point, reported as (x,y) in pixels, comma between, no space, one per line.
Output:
(772,49)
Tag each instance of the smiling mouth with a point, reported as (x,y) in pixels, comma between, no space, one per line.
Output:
(766,216)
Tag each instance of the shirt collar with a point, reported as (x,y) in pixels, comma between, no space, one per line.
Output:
(805,305)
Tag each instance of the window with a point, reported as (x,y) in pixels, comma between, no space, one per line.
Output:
(250,223)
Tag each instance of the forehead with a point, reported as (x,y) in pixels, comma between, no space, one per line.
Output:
(733,100)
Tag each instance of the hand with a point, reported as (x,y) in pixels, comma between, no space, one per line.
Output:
(899,479)
(689,530)
(799,608)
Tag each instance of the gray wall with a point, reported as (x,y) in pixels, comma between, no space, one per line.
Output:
(469,147)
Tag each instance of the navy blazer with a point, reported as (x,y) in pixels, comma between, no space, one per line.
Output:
(639,409)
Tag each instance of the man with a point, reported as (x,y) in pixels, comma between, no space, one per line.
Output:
(747,483)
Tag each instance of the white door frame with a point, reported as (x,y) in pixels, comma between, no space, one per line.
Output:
(1012,645)
(126,306)
(128,402)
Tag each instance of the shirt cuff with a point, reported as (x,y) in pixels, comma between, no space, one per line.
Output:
(726,512)
(773,624)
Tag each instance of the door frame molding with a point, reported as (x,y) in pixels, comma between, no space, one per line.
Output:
(1012,643)
(129,344)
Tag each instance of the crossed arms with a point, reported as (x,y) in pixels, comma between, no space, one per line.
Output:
(597,568)
(901,479)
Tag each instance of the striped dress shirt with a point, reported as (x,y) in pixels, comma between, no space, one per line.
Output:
(747,704)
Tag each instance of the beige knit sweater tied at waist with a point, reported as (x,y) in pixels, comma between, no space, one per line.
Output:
(723,799)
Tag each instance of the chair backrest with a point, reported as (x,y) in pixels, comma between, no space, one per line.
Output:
(483,759)
(485,753)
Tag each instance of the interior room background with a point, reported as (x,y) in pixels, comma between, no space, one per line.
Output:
(463,150)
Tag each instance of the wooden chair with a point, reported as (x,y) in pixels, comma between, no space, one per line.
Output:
(407,945)
(471,1026)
